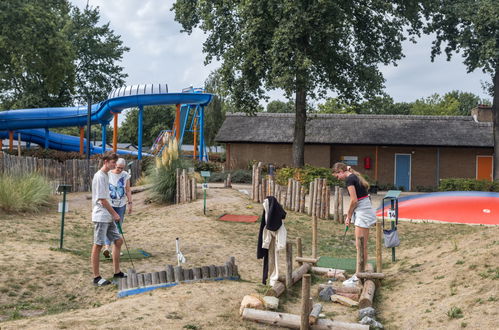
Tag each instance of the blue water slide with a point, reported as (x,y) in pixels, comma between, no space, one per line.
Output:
(101,113)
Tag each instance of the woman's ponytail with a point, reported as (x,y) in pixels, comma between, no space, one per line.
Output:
(362,180)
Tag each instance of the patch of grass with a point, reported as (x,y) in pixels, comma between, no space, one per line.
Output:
(26,193)
(173,316)
(191,326)
(439,277)
(455,313)
(459,262)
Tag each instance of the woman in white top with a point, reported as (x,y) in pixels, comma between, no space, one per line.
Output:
(120,193)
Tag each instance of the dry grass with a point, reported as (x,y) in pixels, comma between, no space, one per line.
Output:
(440,270)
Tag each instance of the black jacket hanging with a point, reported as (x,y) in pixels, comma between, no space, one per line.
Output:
(275,216)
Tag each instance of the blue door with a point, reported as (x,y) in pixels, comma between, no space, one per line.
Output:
(403,171)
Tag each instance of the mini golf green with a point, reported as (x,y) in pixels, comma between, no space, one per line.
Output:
(341,263)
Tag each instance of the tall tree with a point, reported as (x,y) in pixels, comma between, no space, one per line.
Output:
(473,28)
(304,47)
(97,49)
(467,101)
(214,114)
(36,58)
(277,106)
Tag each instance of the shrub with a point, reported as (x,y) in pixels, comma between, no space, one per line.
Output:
(165,181)
(26,193)
(455,313)
(426,188)
(306,175)
(460,184)
(206,166)
(237,176)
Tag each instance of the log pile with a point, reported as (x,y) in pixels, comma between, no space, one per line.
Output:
(176,274)
(186,188)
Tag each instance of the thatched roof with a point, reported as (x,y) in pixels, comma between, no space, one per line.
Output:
(359,129)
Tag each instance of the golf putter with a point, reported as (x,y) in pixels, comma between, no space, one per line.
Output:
(126,245)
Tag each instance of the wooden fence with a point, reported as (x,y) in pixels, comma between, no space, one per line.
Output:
(76,172)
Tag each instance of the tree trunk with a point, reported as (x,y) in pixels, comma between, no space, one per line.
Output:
(300,122)
(495,109)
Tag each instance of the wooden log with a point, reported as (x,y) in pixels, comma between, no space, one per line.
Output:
(162,276)
(318,188)
(170,277)
(293,321)
(328,203)
(261,193)
(302,199)
(221,271)
(155,278)
(324,270)
(353,296)
(305,301)
(289,194)
(310,197)
(367,295)
(187,275)
(344,300)
(279,287)
(360,255)
(129,278)
(370,276)
(343,289)
(379,261)
(299,250)
(147,279)
(253,176)
(213,271)
(298,196)
(197,273)
(314,236)
(306,259)
(314,314)
(226,270)
(124,284)
(289,264)
(179,274)
(205,271)
(140,280)
(336,204)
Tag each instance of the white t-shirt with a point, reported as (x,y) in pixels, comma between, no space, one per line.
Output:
(100,190)
(117,185)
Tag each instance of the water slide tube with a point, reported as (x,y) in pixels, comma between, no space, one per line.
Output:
(101,113)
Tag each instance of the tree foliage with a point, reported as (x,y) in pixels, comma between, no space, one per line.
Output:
(155,119)
(470,27)
(36,58)
(303,47)
(97,50)
(277,106)
(52,52)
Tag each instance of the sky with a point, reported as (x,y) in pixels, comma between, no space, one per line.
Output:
(160,53)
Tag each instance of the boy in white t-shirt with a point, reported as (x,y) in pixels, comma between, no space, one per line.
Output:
(104,218)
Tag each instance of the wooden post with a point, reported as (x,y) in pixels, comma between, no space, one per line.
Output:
(289,264)
(179,273)
(314,236)
(177,192)
(299,249)
(289,194)
(324,204)
(305,301)
(310,197)
(253,182)
(341,215)
(367,295)
(379,261)
(302,199)
(328,202)
(336,202)
(360,255)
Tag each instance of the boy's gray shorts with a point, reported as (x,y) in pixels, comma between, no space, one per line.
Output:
(103,229)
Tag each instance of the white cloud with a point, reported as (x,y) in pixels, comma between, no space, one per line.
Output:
(161,53)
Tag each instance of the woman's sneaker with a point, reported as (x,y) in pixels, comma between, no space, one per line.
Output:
(99,281)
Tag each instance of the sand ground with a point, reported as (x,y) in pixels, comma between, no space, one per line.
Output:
(441,269)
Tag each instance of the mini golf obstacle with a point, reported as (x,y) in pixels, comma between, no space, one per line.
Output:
(137,283)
